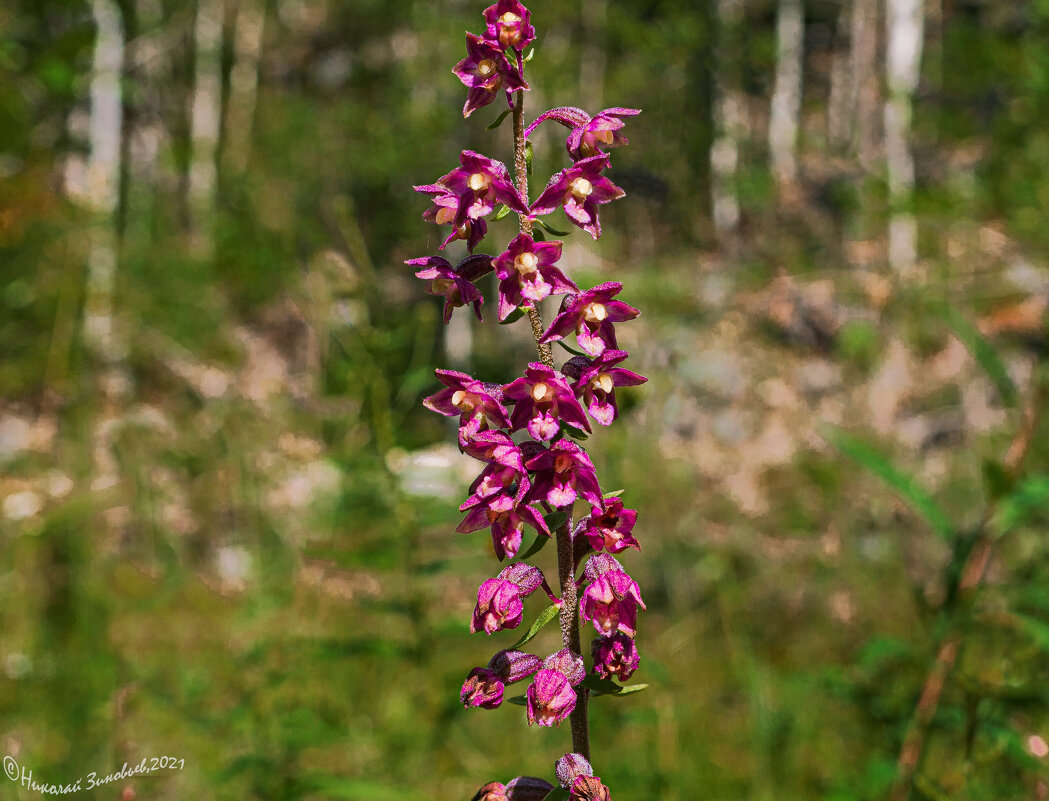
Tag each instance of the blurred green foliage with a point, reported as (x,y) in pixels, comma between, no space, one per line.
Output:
(254,587)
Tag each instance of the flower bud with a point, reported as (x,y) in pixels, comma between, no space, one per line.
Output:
(498,607)
(589,788)
(513,666)
(551,698)
(615,655)
(483,688)
(493,791)
(571,766)
(528,788)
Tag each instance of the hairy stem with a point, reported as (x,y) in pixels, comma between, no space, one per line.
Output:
(546,356)
(565,559)
(973,571)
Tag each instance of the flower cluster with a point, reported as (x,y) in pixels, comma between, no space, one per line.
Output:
(535,474)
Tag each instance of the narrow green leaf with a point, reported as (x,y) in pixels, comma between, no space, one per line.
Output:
(501,212)
(529,55)
(569,348)
(545,617)
(537,545)
(906,486)
(575,433)
(512,317)
(1025,502)
(498,120)
(984,353)
(551,228)
(538,235)
(613,494)
(529,153)
(599,686)
(520,700)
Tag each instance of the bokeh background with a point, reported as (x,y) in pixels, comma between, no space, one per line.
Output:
(227,528)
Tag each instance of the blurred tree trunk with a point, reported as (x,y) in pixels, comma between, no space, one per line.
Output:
(205,116)
(250,23)
(841,104)
(784,117)
(864,81)
(904,28)
(730,121)
(101,188)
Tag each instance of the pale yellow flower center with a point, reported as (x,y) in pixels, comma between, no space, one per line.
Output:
(462,400)
(595,313)
(526,263)
(603,381)
(509,18)
(541,391)
(486,67)
(562,463)
(581,188)
(479,181)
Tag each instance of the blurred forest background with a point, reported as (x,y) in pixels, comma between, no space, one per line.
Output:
(227,523)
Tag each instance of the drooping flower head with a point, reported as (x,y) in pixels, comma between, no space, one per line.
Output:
(562,473)
(590,315)
(443,212)
(589,788)
(509,25)
(580,189)
(495,447)
(527,274)
(483,688)
(542,398)
(454,284)
(507,519)
(597,382)
(477,404)
(610,528)
(499,600)
(485,685)
(612,599)
(615,655)
(588,134)
(551,697)
(570,767)
(477,186)
(485,71)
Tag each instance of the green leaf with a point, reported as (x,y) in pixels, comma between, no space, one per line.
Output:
(520,700)
(498,120)
(529,153)
(599,686)
(513,317)
(996,479)
(538,235)
(613,494)
(551,228)
(537,545)
(1025,502)
(556,519)
(569,348)
(545,617)
(501,212)
(906,486)
(575,433)
(984,353)
(529,55)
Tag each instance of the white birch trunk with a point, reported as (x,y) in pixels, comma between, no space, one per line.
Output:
(786,96)
(904,27)
(244,83)
(730,123)
(205,115)
(101,182)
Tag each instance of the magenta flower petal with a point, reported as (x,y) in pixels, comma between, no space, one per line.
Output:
(482,688)
(485,71)
(509,25)
(615,656)
(580,189)
(611,529)
(590,315)
(597,382)
(563,472)
(543,398)
(498,607)
(527,274)
(550,698)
